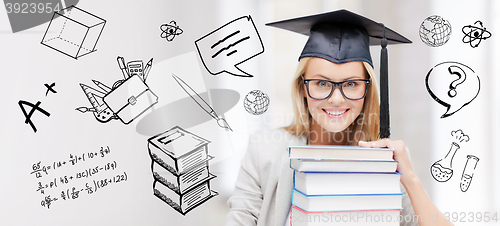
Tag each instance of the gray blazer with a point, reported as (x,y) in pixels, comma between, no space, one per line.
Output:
(263,190)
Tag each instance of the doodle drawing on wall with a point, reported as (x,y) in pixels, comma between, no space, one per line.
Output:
(35,107)
(75,34)
(127,99)
(453,85)
(202,103)
(442,169)
(170,30)
(256,102)
(435,31)
(223,49)
(470,167)
(474,34)
(179,163)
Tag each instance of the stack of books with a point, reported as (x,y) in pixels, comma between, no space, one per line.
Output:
(345,185)
(180,169)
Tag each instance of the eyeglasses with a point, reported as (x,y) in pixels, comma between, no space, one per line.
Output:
(320,89)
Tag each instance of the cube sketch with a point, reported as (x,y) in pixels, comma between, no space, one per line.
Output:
(75,33)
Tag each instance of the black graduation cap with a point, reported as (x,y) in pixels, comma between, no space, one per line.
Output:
(342,36)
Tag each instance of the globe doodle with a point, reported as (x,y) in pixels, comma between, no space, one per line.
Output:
(435,31)
(256,102)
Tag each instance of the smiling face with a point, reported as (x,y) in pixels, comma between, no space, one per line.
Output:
(335,113)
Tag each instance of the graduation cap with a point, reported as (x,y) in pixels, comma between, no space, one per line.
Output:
(342,36)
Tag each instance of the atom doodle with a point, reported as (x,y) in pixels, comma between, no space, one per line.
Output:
(170,30)
(474,35)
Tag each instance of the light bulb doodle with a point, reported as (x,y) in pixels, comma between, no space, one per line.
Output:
(475,34)
(170,30)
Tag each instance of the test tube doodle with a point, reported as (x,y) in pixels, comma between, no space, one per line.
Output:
(468,173)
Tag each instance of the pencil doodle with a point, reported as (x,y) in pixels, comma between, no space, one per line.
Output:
(170,30)
(179,164)
(202,103)
(468,173)
(453,85)
(240,42)
(475,34)
(435,31)
(26,14)
(126,99)
(442,169)
(50,88)
(76,35)
(256,102)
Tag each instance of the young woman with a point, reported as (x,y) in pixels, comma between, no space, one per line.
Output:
(335,103)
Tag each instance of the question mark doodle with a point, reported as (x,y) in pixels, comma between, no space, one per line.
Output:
(454,70)
(452,92)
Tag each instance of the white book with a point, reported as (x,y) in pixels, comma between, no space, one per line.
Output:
(342,165)
(329,183)
(339,152)
(350,202)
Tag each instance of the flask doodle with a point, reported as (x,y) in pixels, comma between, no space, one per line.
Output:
(453,85)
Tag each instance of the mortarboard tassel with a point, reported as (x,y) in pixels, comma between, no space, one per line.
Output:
(385,130)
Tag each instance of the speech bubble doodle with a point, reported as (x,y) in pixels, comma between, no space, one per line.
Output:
(223,49)
(453,85)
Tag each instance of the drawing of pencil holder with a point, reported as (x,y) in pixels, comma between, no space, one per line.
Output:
(74,33)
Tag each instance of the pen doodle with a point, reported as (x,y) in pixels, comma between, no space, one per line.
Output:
(179,163)
(475,34)
(240,42)
(75,36)
(170,31)
(202,103)
(126,99)
(256,102)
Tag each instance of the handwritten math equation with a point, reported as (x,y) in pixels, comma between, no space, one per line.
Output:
(68,186)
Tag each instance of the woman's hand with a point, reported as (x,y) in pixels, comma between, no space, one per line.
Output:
(400,155)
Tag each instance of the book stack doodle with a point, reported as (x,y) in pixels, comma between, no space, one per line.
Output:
(345,185)
(180,169)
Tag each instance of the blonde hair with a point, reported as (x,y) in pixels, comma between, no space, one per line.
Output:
(365,127)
